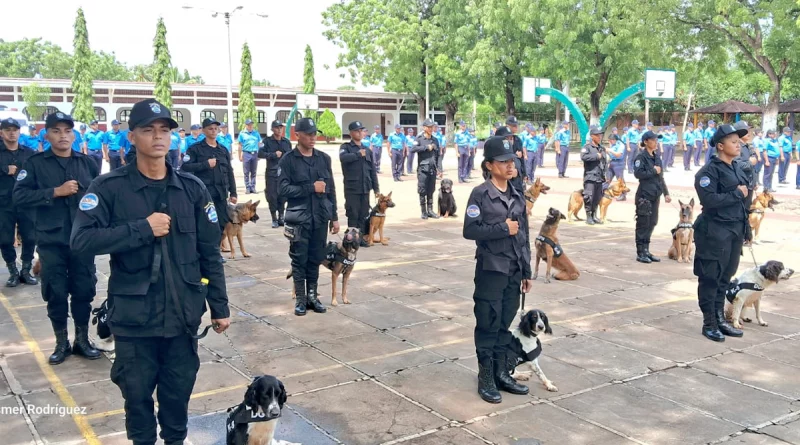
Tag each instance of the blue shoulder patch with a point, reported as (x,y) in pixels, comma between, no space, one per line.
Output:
(473,211)
(88,202)
(705,181)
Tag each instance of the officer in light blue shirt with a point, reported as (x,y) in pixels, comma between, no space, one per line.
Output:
(473,148)
(224,138)
(112,145)
(562,149)
(688,146)
(30,140)
(786,144)
(707,135)
(94,144)
(616,166)
(195,137)
(174,154)
(461,141)
(249,142)
(43,143)
(408,155)
(634,136)
(78,145)
(531,145)
(772,155)
(376,142)
(397,145)
(668,147)
(758,143)
(699,143)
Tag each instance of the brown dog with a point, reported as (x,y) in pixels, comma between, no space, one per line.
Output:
(547,248)
(613,192)
(340,259)
(761,203)
(239,215)
(682,247)
(533,192)
(377,218)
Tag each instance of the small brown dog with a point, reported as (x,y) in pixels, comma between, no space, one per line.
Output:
(547,248)
(533,192)
(377,218)
(682,247)
(761,203)
(613,192)
(239,215)
(340,259)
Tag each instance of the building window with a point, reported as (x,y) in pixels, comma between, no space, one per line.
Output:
(408,119)
(208,115)
(235,117)
(262,117)
(124,115)
(48,110)
(283,115)
(177,115)
(99,114)
(440,119)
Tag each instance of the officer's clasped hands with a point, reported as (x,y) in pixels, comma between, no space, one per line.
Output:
(212,162)
(68,188)
(159,223)
(513,227)
(319,186)
(12,170)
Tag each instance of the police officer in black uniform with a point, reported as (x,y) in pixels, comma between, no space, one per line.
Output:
(211,163)
(720,230)
(519,181)
(12,157)
(747,160)
(428,151)
(496,218)
(53,183)
(593,156)
(274,148)
(305,177)
(648,169)
(160,227)
(358,169)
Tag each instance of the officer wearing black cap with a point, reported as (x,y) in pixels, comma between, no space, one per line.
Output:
(593,156)
(428,151)
(305,177)
(519,181)
(211,163)
(160,227)
(648,169)
(496,219)
(358,169)
(53,183)
(747,160)
(720,230)
(275,147)
(12,157)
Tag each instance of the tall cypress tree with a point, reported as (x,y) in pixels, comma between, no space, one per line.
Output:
(309,84)
(83,103)
(247,104)
(162,70)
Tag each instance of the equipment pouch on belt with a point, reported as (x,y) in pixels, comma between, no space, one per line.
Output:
(644,207)
(292,233)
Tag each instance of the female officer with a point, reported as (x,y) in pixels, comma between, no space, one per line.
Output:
(497,220)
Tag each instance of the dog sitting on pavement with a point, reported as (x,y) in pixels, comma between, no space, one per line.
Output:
(548,249)
(526,347)
(532,193)
(447,203)
(239,214)
(377,218)
(614,191)
(340,259)
(747,290)
(682,247)
(761,203)
(254,421)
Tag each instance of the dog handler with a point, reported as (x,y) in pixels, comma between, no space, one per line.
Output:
(360,178)
(496,219)
(593,156)
(428,150)
(160,227)
(720,230)
(274,148)
(647,168)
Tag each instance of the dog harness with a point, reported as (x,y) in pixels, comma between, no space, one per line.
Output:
(520,355)
(244,414)
(334,255)
(530,199)
(731,293)
(557,250)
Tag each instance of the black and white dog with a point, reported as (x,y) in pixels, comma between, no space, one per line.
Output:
(526,346)
(253,422)
(747,290)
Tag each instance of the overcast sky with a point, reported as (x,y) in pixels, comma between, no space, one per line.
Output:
(197,41)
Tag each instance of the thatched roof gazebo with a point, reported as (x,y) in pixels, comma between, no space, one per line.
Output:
(729,107)
(790,106)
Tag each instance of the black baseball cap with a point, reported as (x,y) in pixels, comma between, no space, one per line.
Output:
(725,130)
(503,131)
(649,135)
(355,125)
(148,111)
(306,125)
(207,122)
(54,118)
(93,122)
(596,130)
(497,148)
(276,123)
(512,120)
(741,125)
(428,123)
(9,122)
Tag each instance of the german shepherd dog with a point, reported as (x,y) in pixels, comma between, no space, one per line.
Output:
(547,248)
(340,259)
(682,247)
(447,203)
(377,218)
(613,192)
(533,192)
(239,215)
(761,203)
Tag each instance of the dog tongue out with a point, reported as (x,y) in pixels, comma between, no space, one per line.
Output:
(349,237)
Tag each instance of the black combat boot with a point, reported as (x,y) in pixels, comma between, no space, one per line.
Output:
(430,209)
(313,300)
(300,297)
(13,275)
(711,328)
(25,275)
(62,349)
(596,218)
(641,256)
(82,346)
(281,222)
(275,221)
(652,257)
(723,325)
(503,380)
(589,217)
(486,385)
(422,207)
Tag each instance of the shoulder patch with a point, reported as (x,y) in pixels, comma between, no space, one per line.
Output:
(22,175)
(186,158)
(88,202)
(705,181)
(584,150)
(637,163)
(342,151)
(473,211)
(279,170)
(211,212)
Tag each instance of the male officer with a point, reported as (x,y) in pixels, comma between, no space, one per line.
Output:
(53,183)
(376,142)
(12,157)
(707,135)
(225,139)
(408,155)
(358,169)
(593,156)
(427,148)
(473,147)
(306,181)
(461,141)
(648,169)
(771,155)
(720,230)
(159,225)
(542,138)
(688,147)
(44,144)
(112,146)
(249,142)
(94,144)
(616,168)
(80,140)
(442,145)
(786,144)
(397,145)
(747,160)
(531,145)
(195,135)
(670,139)
(174,153)
(699,143)
(275,147)
(519,181)
(634,137)
(31,139)
(211,163)
(562,149)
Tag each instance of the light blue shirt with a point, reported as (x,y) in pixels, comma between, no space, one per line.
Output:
(634,136)
(440,137)
(461,139)
(123,141)
(113,140)
(376,140)
(397,141)
(94,140)
(773,148)
(226,140)
(410,139)
(191,140)
(617,151)
(530,144)
(688,137)
(174,141)
(473,141)
(29,140)
(785,143)
(563,137)
(709,133)
(249,141)
(366,142)
(76,146)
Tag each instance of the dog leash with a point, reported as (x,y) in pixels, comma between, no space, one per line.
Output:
(241,357)
(753,255)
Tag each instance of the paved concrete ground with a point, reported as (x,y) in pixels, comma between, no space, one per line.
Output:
(398,364)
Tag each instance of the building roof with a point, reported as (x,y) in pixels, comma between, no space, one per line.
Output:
(790,106)
(729,106)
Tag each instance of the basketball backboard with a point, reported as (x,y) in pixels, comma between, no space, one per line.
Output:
(529,85)
(659,84)
(307,102)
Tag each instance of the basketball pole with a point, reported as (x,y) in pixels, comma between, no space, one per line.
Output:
(647,110)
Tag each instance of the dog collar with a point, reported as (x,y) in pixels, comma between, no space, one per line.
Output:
(731,293)
(379,214)
(242,414)
(685,226)
(557,250)
(530,199)
(757,211)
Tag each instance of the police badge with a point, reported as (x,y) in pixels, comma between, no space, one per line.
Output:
(155,108)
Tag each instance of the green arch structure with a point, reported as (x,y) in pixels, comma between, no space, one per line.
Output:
(583,126)
(626,94)
(289,122)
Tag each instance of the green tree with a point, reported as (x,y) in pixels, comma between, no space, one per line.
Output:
(36,98)
(27,57)
(309,84)
(328,126)
(263,83)
(346,88)
(247,104)
(105,66)
(162,70)
(83,103)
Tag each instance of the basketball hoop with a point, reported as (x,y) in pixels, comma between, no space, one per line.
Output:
(307,102)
